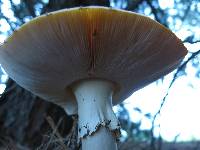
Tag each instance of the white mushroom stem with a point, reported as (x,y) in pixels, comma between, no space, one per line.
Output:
(98,125)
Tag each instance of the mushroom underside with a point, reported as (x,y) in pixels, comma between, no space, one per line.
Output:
(90,59)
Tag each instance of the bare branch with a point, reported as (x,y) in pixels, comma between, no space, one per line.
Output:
(154,10)
(30,7)
(132,5)
(8,21)
(180,68)
(158,13)
(173,80)
(191,42)
(16,12)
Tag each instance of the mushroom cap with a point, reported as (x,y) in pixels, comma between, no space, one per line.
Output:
(52,52)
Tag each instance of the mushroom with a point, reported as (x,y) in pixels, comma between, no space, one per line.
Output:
(88,59)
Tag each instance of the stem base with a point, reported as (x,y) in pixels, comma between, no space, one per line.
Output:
(102,140)
(98,125)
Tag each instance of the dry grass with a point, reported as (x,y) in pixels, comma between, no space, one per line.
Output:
(54,141)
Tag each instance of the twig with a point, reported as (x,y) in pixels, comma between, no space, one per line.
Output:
(174,78)
(153,9)
(155,12)
(132,5)
(181,67)
(30,7)
(9,22)
(72,137)
(55,132)
(191,42)
(17,12)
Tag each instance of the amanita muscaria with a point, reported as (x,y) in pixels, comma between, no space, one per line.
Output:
(88,59)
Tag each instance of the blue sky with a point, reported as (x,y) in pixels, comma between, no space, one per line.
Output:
(180,114)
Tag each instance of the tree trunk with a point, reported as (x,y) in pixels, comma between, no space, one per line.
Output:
(23,117)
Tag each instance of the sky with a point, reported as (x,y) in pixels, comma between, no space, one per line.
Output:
(180,114)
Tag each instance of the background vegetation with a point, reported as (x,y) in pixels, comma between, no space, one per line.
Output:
(28,122)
